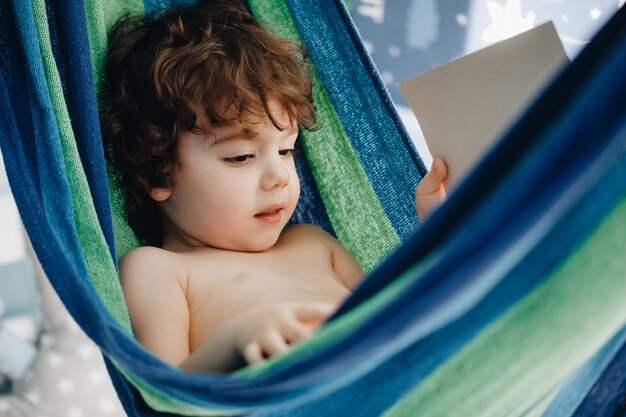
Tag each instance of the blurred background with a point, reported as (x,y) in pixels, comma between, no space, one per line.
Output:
(49,368)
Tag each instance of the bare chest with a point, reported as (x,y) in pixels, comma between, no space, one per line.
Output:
(219,291)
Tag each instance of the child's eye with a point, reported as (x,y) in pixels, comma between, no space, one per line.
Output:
(239,159)
(286,152)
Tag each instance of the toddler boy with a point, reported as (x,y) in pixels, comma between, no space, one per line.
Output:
(201,113)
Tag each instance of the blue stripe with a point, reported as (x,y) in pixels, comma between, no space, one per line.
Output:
(55,187)
(310,208)
(54,42)
(14,69)
(364,107)
(73,58)
(133,402)
(153,6)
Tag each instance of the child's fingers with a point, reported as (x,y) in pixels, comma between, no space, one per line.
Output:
(274,343)
(313,311)
(294,330)
(433,180)
(252,353)
(439,169)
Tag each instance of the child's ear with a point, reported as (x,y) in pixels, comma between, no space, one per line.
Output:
(160,194)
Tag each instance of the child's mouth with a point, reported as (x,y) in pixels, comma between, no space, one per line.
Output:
(270,216)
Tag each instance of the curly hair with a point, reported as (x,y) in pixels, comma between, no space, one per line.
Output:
(160,71)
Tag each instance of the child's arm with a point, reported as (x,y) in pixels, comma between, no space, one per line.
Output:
(345,265)
(155,291)
(431,192)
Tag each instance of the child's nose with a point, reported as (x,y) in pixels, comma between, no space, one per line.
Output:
(275,175)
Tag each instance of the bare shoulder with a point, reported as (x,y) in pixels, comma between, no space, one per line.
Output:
(144,257)
(344,264)
(149,264)
(143,254)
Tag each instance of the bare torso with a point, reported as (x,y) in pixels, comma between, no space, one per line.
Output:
(222,284)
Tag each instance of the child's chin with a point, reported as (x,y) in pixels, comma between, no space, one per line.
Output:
(260,246)
(257,244)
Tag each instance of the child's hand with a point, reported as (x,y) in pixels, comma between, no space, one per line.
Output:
(430,191)
(269,330)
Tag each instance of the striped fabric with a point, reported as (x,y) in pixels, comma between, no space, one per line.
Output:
(507,302)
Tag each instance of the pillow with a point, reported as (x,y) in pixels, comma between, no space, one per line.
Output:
(69,377)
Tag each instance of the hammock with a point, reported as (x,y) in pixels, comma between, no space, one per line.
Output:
(508,301)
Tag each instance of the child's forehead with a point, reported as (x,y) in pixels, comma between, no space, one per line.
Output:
(221,132)
(246,125)
(247,132)
(235,131)
(229,122)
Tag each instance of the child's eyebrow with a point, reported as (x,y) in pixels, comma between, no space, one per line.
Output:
(249,135)
(246,135)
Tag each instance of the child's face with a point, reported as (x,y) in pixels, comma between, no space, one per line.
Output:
(232,190)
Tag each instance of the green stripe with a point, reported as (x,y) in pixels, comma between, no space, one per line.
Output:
(115,9)
(354,210)
(540,341)
(165,403)
(98,27)
(125,238)
(95,250)
(101,16)
(97,39)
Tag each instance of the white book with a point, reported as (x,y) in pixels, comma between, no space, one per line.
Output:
(465,105)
